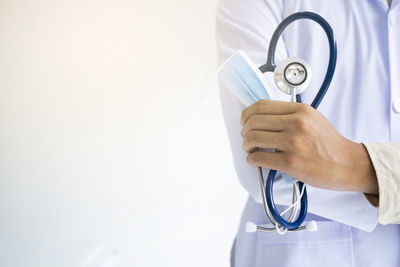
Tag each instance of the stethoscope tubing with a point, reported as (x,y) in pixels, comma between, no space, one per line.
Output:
(270,67)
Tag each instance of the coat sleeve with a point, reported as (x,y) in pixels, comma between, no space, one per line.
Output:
(386,160)
(248,25)
(244,25)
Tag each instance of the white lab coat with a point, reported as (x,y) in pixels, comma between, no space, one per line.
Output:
(358,104)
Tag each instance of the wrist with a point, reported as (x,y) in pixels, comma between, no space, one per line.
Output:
(362,174)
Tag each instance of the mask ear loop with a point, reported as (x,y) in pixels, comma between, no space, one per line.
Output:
(203,90)
(270,67)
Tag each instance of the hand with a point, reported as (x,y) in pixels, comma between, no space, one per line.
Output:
(307,147)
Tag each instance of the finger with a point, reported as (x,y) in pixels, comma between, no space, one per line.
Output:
(262,139)
(270,107)
(261,122)
(270,160)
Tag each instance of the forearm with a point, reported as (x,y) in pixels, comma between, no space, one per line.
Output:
(306,147)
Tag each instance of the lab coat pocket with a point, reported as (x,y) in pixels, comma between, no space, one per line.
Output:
(330,246)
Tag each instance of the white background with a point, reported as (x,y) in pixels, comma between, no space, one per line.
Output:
(108,155)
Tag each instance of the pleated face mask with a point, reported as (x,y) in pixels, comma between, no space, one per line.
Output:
(239,74)
(244,80)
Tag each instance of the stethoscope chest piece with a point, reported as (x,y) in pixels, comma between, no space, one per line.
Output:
(292,73)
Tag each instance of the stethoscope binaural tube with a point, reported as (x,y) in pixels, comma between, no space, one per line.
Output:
(270,67)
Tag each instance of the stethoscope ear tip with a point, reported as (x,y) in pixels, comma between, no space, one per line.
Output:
(312,226)
(250,227)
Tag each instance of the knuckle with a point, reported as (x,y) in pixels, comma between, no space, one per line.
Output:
(250,159)
(300,122)
(304,108)
(242,116)
(244,112)
(260,105)
(254,157)
(251,136)
(243,132)
(244,146)
(253,121)
(262,102)
(248,143)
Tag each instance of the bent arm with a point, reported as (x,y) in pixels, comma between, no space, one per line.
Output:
(248,25)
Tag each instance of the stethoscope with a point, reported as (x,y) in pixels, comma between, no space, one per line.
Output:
(292,76)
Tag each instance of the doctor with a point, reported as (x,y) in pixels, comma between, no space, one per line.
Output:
(340,151)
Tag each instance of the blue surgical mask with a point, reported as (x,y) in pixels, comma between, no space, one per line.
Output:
(245,81)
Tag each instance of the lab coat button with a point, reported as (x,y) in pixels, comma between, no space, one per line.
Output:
(396,104)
